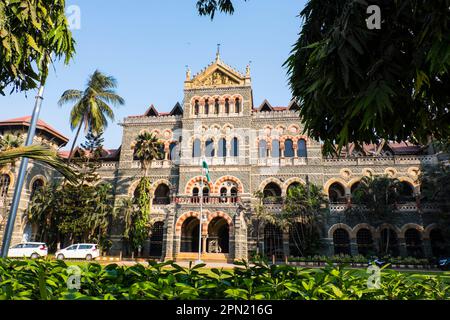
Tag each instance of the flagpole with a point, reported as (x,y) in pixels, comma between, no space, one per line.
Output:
(201,220)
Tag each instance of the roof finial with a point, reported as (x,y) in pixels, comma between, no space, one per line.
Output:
(188,73)
(218,52)
(247,69)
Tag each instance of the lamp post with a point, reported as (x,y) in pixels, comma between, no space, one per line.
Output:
(21,176)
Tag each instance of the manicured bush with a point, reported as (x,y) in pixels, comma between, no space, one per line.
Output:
(47,280)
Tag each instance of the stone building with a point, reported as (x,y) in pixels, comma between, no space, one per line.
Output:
(253,148)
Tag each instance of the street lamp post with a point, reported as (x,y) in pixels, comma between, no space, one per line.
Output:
(21,176)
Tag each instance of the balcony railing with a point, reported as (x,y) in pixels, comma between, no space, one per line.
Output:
(208,200)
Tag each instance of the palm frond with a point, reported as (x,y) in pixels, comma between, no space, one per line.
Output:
(40,154)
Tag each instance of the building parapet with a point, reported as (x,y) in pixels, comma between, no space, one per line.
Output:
(364,161)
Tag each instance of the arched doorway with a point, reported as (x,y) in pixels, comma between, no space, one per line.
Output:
(272,193)
(341,240)
(292,186)
(273,241)
(406,193)
(162,195)
(413,241)
(364,241)
(189,235)
(218,236)
(336,193)
(156,239)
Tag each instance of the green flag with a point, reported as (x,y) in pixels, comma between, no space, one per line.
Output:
(206,170)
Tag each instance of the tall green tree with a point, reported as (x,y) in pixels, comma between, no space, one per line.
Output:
(357,84)
(258,218)
(91,107)
(375,200)
(31,32)
(303,216)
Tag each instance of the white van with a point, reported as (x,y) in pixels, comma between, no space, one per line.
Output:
(86,251)
(31,250)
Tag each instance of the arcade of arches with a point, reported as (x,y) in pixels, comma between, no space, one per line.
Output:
(215,240)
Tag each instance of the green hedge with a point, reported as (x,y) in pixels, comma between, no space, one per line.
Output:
(20,279)
(360,259)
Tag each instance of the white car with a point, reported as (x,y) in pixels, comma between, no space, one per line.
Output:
(86,251)
(31,250)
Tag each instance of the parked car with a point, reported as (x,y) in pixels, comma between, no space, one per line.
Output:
(378,262)
(444,264)
(86,251)
(31,250)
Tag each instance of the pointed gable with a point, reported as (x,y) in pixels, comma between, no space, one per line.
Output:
(265,106)
(177,110)
(293,106)
(151,112)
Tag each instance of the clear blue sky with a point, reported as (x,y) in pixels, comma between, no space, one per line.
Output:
(146,45)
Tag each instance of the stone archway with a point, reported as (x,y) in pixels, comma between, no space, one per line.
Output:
(190,235)
(218,236)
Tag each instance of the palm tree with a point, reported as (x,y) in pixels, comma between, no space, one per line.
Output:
(91,107)
(146,149)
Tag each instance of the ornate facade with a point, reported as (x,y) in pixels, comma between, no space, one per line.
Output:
(255,148)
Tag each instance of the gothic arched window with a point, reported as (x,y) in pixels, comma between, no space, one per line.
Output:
(196,149)
(288,148)
(196,108)
(301,149)
(275,148)
(235,147)
(209,148)
(207,107)
(237,106)
(222,148)
(216,106)
(262,147)
(227,106)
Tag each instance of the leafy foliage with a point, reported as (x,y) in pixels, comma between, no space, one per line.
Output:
(82,210)
(31,31)
(135,215)
(147,149)
(303,215)
(43,280)
(209,7)
(360,85)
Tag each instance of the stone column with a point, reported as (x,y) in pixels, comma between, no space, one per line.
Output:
(204,242)
(353,247)
(328,246)
(170,244)
(427,249)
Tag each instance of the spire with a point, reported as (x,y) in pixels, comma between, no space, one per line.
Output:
(247,69)
(218,53)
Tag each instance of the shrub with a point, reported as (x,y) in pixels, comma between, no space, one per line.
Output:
(46,280)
